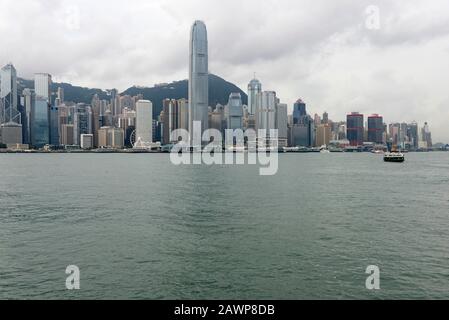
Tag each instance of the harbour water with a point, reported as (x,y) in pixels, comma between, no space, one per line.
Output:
(139,227)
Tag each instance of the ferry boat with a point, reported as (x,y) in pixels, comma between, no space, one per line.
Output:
(394,157)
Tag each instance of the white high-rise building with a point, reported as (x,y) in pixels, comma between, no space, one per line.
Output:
(198,77)
(144,122)
(254,88)
(266,110)
(42,86)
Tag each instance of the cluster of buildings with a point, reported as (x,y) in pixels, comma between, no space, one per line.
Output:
(41,119)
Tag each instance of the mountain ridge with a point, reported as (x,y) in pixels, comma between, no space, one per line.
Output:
(219,91)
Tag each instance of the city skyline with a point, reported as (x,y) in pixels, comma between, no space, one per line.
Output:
(336,65)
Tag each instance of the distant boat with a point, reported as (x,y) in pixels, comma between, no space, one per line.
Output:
(324,149)
(394,157)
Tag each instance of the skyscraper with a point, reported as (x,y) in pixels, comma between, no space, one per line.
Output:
(375,129)
(40,129)
(299,111)
(171,121)
(42,86)
(281,124)
(302,132)
(198,77)
(8,95)
(254,88)
(28,103)
(354,123)
(144,121)
(234,112)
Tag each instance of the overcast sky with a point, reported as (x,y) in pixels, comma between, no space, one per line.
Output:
(388,57)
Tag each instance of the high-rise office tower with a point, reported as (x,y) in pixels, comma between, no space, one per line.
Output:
(354,128)
(254,88)
(266,110)
(375,129)
(8,95)
(299,111)
(198,77)
(67,134)
(234,112)
(28,104)
(281,124)
(412,134)
(323,134)
(82,122)
(40,128)
(183,114)
(170,120)
(325,117)
(266,115)
(144,121)
(42,86)
(60,95)
(426,136)
(54,126)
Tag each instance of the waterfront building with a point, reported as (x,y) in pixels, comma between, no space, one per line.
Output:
(54,126)
(412,135)
(40,128)
(323,134)
(110,137)
(82,122)
(302,131)
(281,124)
(9,112)
(87,141)
(11,133)
(67,134)
(355,129)
(144,121)
(198,77)
(375,129)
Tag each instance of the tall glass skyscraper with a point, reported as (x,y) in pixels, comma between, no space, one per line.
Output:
(40,129)
(198,77)
(234,112)
(8,95)
(299,111)
(254,88)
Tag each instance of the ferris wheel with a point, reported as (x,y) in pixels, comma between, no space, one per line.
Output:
(132,138)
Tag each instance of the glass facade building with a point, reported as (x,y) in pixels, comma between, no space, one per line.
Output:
(40,135)
(354,129)
(375,129)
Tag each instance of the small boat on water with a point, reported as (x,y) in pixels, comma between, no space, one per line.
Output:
(324,149)
(394,157)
